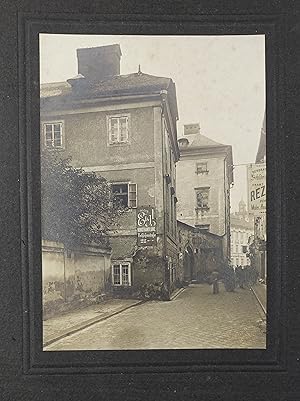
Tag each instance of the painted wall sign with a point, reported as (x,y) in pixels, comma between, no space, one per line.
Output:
(146,226)
(257,188)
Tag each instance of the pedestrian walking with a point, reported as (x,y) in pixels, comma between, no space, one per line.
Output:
(229,278)
(215,282)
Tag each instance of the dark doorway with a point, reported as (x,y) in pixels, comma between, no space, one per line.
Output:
(188,264)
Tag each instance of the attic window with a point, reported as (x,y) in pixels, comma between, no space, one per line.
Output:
(201,168)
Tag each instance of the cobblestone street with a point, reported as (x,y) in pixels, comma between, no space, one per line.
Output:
(194,319)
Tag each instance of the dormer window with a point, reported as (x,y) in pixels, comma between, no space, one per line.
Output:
(183,142)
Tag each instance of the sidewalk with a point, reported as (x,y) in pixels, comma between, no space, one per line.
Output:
(68,323)
(260,292)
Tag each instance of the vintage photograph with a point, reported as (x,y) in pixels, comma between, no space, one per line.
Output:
(153,192)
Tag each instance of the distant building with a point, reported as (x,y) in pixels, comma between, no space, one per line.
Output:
(204,178)
(261,151)
(242,232)
(123,127)
(260,222)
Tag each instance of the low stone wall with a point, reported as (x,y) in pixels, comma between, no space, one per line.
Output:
(72,276)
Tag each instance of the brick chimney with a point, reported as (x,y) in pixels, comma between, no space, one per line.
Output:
(99,63)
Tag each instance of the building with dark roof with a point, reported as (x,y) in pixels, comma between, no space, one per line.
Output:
(123,127)
(204,178)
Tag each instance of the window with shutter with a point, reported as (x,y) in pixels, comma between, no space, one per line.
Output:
(132,195)
(126,193)
(53,135)
(118,129)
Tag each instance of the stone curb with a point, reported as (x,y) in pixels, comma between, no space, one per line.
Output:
(258,300)
(175,295)
(88,323)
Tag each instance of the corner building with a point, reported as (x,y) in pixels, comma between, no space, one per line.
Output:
(204,179)
(123,127)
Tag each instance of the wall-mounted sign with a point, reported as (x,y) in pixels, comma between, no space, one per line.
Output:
(146,226)
(257,188)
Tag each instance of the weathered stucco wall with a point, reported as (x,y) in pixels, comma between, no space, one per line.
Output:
(140,161)
(188,180)
(80,272)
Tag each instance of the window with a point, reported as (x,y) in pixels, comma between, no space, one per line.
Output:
(201,168)
(202,195)
(118,129)
(121,274)
(53,135)
(126,193)
(237,249)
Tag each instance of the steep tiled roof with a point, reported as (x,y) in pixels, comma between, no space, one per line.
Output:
(120,85)
(131,84)
(199,141)
(203,141)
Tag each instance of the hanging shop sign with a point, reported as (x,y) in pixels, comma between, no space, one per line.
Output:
(257,188)
(146,226)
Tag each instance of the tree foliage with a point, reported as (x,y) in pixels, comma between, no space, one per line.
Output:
(77,207)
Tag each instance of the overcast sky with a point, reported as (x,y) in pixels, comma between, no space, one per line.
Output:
(220,82)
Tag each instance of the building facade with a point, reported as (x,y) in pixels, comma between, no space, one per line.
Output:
(242,234)
(204,178)
(260,222)
(200,253)
(123,127)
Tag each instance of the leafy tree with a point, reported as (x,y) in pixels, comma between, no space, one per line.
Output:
(77,207)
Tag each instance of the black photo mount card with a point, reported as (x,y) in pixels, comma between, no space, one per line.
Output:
(149,192)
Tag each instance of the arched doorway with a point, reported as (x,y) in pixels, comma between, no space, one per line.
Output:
(188,264)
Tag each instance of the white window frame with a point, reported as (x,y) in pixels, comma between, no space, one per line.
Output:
(129,184)
(109,131)
(62,125)
(120,265)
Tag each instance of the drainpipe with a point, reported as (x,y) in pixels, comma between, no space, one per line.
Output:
(65,284)
(163,95)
